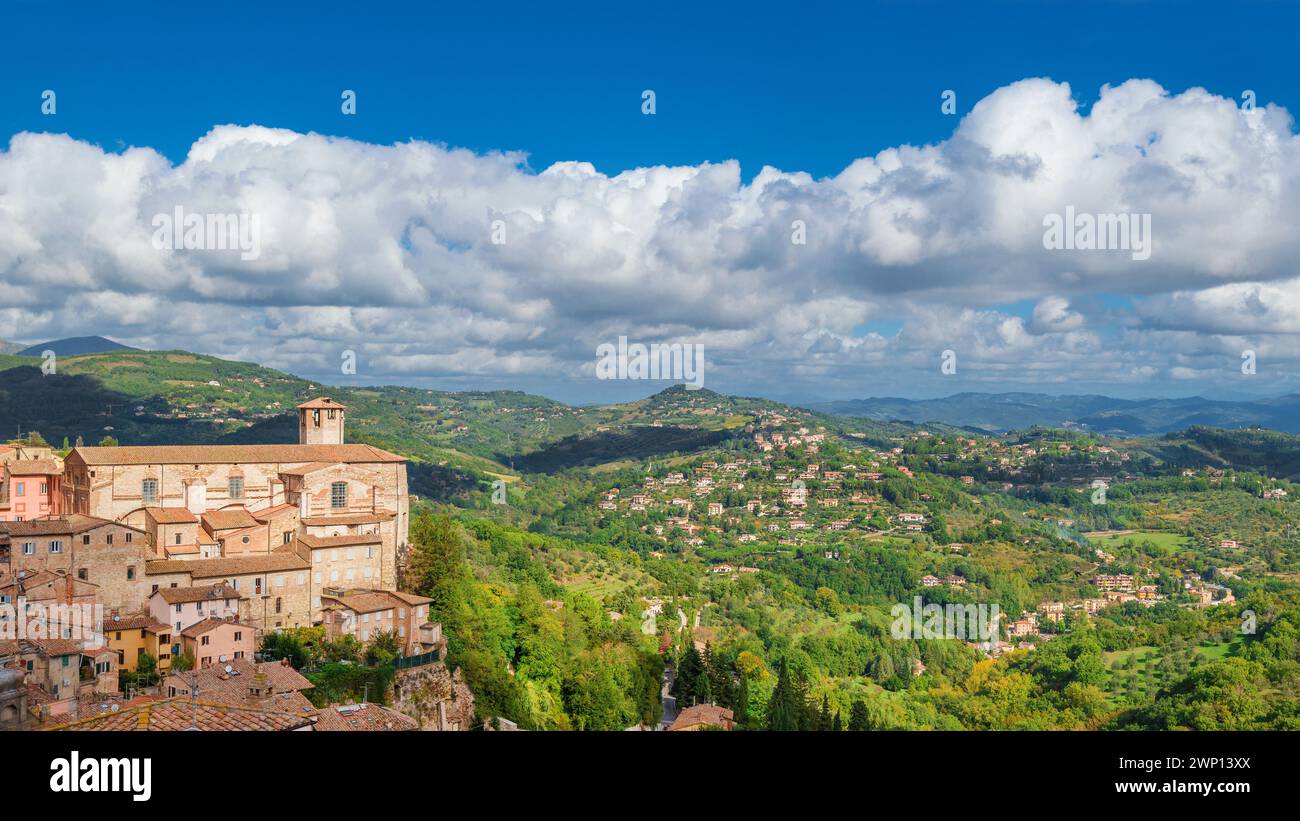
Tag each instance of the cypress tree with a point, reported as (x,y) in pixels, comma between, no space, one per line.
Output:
(858,721)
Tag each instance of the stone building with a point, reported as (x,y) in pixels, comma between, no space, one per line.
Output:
(109,555)
(341,488)
(280,523)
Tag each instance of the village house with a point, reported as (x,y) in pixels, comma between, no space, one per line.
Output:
(703,717)
(1118,581)
(363,614)
(30,487)
(132,637)
(182,607)
(108,554)
(216,641)
(63,675)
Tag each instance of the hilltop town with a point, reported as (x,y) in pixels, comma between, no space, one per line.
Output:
(193,554)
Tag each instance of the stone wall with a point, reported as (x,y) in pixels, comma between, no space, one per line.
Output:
(437,698)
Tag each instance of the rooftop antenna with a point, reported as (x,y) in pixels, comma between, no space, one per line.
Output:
(194,703)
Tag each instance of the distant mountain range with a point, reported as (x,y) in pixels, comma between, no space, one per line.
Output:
(72,346)
(997,412)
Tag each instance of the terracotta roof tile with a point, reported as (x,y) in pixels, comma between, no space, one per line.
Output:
(364,718)
(289,455)
(324,403)
(54,525)
(210,592)
(171,515)
(209,624)
(180,714)
(232,518)
(230,566)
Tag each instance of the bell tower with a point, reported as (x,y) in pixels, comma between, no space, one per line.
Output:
(320,422)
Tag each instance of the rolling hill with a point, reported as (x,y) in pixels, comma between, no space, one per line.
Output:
(1001,412)
(74,346)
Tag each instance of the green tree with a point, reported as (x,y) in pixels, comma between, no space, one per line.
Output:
(183,662)
(858,720)
(438,563)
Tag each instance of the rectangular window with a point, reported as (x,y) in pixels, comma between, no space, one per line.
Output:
(45,488)
(29,548)
(128,538)
(149,491)
(339,494)
(85,539)
(108,539)
(56,546)
(235,487)
(18,488)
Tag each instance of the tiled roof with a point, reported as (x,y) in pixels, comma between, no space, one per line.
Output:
(268,513)
(228,519)
(323,402)
(43,585)
(232,688)
(180,714)
(182,595)
(365,601)
(230,566)
(410,598)
(135,621)
(365,718)
(209,624)
(704,714)
(171,515)
(232,454)
(54,525)
(35,467)
(56,647)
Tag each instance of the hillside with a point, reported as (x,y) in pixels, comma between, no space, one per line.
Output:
(996,413)
(459,438)
(74,346)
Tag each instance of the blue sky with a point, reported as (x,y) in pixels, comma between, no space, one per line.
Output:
(801,88)
(899,267)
